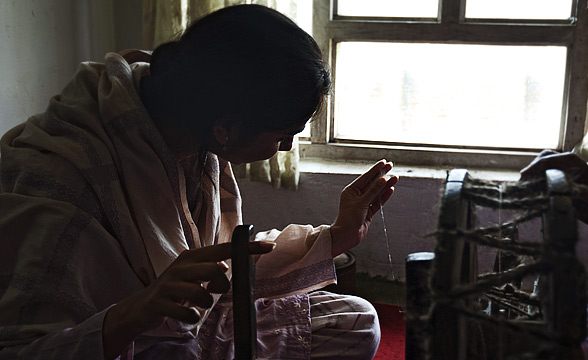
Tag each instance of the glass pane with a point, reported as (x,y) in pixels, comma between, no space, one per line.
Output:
(389,8)
(475,95)
(519,9)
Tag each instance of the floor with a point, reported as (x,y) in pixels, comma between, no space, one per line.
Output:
(374,289)
(389,299)
(380,290)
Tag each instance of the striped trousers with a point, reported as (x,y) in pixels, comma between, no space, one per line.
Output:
(343,327)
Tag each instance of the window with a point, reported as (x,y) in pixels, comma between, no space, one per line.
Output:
(472,83)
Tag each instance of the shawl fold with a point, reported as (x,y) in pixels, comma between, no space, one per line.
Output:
(93,207)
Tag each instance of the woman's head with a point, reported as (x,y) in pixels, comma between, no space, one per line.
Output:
(247,66)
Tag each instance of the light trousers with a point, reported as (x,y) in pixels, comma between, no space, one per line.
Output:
(343,327)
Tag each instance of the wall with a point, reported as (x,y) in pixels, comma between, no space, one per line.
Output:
(42,42)
(410,216)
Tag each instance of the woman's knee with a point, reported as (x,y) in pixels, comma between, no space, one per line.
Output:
(344,327)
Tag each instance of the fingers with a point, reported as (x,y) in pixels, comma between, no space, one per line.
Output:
(220,252)
(552,160)
(189,315)
(202,272)
(536,166)
(374,193)
(205,265)
(384,195)
(190,271)
(192,292)
(370,190)
(261,247)
(546,152)
(378,170)
(393,180)
(183,282)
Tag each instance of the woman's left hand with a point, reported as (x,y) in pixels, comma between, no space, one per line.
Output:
(360,201)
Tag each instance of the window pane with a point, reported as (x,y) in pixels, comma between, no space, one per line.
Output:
(519,9)
(450,94)
(389,8)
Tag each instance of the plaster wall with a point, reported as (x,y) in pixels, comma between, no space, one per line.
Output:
(410,215)
(41,44)
(43,41)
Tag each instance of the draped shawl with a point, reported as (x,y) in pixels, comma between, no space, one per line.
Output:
(93,207)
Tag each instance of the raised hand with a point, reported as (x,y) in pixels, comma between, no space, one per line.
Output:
(180,283)
(360,200)
(567,162)
(576,170)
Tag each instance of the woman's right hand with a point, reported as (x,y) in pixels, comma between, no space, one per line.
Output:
(566,162)
(181,282)
(573,166)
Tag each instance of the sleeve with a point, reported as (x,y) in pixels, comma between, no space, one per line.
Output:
(56,280)
(83,341)
(300,263)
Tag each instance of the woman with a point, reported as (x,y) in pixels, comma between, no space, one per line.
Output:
(118,203)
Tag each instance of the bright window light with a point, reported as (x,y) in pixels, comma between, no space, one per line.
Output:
(519,9)
(389,8)
(450,94)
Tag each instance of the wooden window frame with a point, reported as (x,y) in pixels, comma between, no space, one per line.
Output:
(451,27)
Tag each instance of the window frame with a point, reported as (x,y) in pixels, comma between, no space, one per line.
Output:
(450,27)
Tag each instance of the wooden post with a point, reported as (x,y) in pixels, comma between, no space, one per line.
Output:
(455,263)
(418,303)
(244,317)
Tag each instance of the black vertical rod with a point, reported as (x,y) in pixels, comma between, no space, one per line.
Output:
(244,318)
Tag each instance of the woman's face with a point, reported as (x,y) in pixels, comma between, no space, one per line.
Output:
(262,147)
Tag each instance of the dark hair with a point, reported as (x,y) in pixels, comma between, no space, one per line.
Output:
(245,61)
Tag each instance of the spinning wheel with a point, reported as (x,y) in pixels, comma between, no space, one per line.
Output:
(468,315)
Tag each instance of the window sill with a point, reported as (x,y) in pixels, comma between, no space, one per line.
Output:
(414,156)
(322,166)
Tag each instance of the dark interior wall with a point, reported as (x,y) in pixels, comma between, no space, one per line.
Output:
(43,41)
(128,15)
(410,216)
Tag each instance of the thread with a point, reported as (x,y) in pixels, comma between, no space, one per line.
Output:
(387,240)
(532,199)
